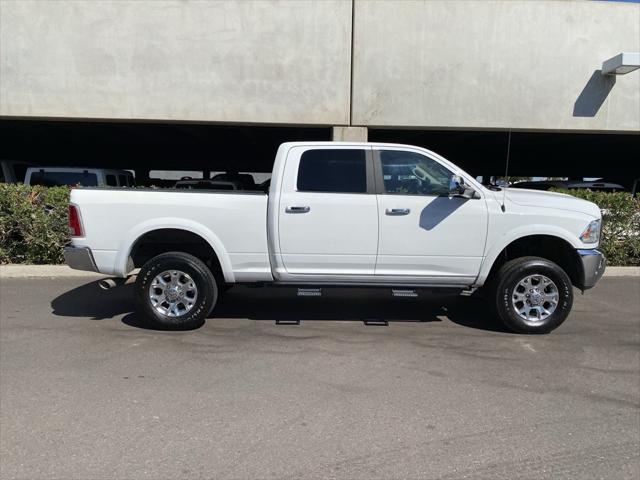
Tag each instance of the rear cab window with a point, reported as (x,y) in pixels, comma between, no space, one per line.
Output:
(333,171)
(53,179)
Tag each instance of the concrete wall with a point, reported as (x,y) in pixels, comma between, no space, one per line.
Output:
(495,64)
(228,61)
(433,63)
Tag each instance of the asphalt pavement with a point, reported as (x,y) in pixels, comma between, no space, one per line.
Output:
(88,391)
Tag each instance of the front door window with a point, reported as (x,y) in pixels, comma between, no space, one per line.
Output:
(411,173)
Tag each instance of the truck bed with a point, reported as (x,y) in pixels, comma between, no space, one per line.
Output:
(236,223)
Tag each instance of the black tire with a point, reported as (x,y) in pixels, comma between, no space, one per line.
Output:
(506,282)
(204,301)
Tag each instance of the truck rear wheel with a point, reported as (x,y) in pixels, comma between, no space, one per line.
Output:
(175,291)
(532,295)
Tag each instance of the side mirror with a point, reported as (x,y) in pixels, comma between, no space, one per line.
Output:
(456,185)
(457,188)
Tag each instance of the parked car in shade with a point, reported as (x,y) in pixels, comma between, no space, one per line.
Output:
(13,171)
(204,184)
(72,176)
(244,180)
(598,185)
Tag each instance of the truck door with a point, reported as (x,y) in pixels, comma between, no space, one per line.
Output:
(328,215)
(424,232)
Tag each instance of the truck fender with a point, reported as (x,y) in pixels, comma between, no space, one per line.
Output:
(510,236)
(130,238)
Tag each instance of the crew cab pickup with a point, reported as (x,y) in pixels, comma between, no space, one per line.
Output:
(343,214)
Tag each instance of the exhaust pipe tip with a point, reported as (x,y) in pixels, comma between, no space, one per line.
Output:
(107,283)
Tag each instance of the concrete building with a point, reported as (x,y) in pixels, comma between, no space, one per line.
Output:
(137,83)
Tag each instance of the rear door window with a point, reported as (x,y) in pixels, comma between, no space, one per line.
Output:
(333,170)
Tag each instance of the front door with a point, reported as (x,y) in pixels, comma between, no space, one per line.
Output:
(328,215)
(424,232)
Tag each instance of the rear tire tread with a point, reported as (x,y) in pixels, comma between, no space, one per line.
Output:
(201,274)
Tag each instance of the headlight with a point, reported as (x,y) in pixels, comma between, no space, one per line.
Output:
(591,234)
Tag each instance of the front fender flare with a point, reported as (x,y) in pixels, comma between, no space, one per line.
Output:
(494,250)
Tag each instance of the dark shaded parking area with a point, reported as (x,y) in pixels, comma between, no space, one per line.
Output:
(208,147)
(87,391)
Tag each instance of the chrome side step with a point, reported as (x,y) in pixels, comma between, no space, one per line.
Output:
(287,322)
(396,292)
(309,292)
(376,323)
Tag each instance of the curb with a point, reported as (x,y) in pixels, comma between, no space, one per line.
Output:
(63,271)
(622,272)
(44,271)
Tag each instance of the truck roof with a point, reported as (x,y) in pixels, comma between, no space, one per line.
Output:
(348,144)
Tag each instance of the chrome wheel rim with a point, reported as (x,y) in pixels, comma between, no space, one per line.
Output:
(535,298)
(173,293)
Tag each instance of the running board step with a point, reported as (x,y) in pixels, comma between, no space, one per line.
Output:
(287,322)
(309,292)
(404,293)
(376,323)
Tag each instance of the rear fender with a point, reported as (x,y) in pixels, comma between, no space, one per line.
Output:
(123,265)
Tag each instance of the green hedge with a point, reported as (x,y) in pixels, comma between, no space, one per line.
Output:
(33,224)
(620,237)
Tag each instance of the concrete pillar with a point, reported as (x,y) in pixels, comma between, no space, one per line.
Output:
(349,134)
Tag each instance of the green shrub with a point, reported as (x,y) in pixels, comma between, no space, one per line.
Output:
(33,223)
(620,237)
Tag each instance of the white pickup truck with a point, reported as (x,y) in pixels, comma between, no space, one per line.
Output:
(343,214)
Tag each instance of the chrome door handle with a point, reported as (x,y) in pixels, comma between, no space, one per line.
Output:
(297,209)
(397,211)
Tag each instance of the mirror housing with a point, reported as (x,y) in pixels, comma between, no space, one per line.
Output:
(456,185)
(457,188)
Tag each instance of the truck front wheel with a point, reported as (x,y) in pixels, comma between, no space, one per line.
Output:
(175,291)
(532,295)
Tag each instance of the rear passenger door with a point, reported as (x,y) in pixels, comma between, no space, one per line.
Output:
(328,216)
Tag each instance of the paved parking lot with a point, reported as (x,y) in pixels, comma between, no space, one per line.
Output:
(86,391)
